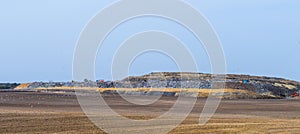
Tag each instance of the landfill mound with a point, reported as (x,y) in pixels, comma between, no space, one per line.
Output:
(168,83)
(261,86)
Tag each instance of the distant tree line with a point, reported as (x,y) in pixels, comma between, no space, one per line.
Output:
(8,85)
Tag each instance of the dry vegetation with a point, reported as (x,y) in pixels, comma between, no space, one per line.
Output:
(22,86)
(203,93)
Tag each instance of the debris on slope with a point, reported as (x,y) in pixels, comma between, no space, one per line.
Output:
(264,87)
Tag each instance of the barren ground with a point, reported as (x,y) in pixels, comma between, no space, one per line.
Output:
(32,112)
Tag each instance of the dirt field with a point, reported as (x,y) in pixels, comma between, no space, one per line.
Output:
(31,112)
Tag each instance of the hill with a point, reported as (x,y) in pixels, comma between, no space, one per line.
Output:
(169,83)
(257,85)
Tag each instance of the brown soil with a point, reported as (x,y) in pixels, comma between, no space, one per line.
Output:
(33,112)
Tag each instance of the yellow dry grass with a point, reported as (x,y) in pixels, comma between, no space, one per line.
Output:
(23,86)
(285,86)
(201,92)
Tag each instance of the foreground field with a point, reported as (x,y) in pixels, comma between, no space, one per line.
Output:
(34,112)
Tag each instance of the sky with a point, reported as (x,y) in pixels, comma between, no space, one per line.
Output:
(38,38)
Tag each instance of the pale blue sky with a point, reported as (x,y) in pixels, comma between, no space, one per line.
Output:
(37,38)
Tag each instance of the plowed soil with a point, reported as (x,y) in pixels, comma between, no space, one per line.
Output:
(36,112)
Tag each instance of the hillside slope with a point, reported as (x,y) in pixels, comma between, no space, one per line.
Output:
(261,85)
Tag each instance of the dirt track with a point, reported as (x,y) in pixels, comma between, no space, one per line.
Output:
(31,112)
